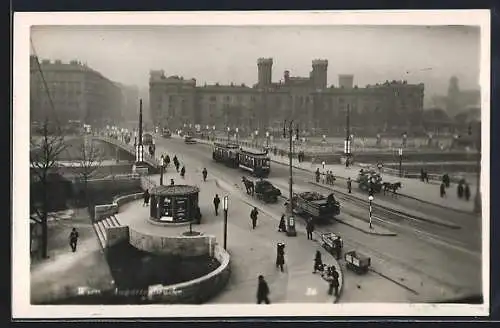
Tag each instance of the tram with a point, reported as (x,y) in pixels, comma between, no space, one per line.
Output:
(257,163)
(226,154)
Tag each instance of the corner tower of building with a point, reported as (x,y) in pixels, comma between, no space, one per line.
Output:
(265,68)
(319,73)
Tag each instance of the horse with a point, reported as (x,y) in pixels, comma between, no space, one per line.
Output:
(392,187)
(249,185)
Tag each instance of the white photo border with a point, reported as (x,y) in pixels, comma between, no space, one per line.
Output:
(21,307)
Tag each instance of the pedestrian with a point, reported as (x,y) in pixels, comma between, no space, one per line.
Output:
(467,192)
(460,189)
(167,160)
(73,239)
(349,185)
(323,164)
(310,228)
(280,256)
(253,216)
(183,171)
(216,204)
(422,174)
(337,243)
(204,173)
(334,282)
(317,175)
(318,262)
(262,291)
(426,177)
(282,225)
(172,182)
(442,190)
(146,198)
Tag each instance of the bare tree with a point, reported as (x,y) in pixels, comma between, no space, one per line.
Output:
(44,153)
(90,160)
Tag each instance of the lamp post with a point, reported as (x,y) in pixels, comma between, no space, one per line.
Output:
(162,167)
(347,142)
(140,147)
(237,136)
(400,151)
(267,139)
(228,130)
(290,232)
(370,199)
(225,204)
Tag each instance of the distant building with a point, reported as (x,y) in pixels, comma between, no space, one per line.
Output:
(77,93)
(317,107)
(457,101)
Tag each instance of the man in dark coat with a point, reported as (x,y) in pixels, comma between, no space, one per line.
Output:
(280,256)
(467,192)
(172,182)
(334,282)
(317,175)
(310,228)
(337,243)
(216,204)
(146,198)
(253,217)
(349,185)
(262,291)
(318,262)
(460,190)
(73,239)
(442,190)
(183,171)
(282,225)
(204,173)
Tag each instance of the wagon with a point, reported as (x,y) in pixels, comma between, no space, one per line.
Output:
(357,262)
(266,192)
(328,239)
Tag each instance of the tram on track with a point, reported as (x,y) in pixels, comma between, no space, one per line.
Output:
(231,155)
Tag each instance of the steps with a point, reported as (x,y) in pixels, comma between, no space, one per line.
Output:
(101,226)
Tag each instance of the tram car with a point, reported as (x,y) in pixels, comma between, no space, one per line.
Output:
(226,154)
(257,163)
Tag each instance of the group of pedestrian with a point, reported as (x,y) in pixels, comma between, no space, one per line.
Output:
(424,175)
(301,156)
(330,178)
(463,190)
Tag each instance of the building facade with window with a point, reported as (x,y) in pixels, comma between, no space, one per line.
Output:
(316,106)
(76,91)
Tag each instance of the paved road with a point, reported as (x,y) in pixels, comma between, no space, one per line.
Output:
(431,265)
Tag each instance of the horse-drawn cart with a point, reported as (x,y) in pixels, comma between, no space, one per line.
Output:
(357,262)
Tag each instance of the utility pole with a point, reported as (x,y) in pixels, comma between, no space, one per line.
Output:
(140,147)
(291,222)
(347,145)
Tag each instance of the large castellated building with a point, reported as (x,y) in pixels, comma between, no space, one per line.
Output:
(317,107)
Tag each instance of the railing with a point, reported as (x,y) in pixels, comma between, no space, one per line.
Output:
(131,149)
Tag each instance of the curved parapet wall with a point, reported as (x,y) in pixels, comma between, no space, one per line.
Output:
(198,290)
(187,246)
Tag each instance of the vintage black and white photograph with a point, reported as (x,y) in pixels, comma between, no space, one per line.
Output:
(242,163)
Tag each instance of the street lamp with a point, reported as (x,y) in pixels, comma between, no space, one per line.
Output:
(291,222)
(228,130)
(370,199)
(267,139)
(162,167)
(237,136)
(400,151)
(347,142)
(225,203)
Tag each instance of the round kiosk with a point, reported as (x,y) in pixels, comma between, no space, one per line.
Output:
(173,203)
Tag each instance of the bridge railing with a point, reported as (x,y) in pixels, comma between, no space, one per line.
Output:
(147,158)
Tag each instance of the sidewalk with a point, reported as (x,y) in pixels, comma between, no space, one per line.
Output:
(252,251)
(412,188)
(59,277)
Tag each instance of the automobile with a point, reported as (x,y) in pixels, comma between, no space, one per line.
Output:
(189,139)
(166,133)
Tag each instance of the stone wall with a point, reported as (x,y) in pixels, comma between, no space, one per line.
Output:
(115,235)
(186,246)
(119,201)
(104,211)
(198,290)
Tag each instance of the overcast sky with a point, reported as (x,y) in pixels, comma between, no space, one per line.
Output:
(229,54)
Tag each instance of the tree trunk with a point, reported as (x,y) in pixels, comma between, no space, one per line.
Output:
(45,234)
